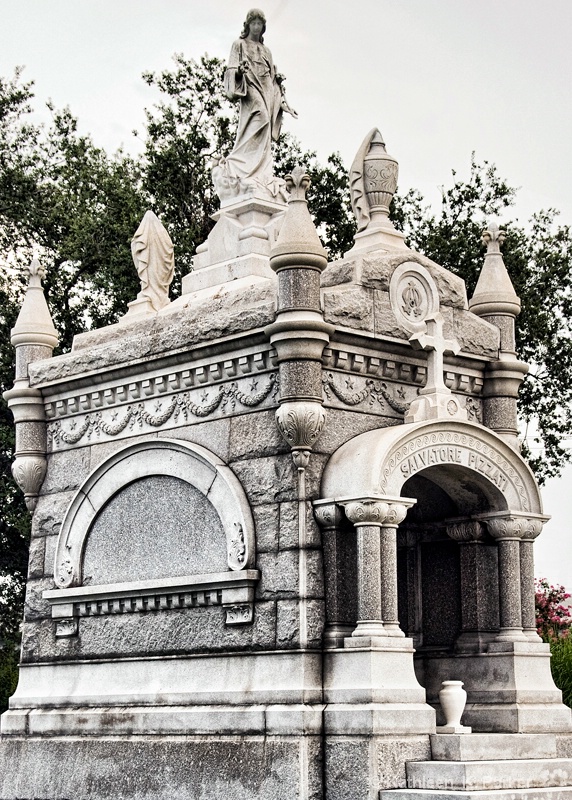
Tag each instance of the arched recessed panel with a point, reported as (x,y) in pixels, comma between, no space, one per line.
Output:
(213,494)
(156,527)
(466,460)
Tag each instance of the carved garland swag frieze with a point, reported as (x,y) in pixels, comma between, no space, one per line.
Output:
(179,407)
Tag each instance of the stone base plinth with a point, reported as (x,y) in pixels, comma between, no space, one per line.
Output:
(156,768)
(509,688)
(373,690)
(239,244)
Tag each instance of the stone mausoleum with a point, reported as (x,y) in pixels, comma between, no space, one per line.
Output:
(273,516)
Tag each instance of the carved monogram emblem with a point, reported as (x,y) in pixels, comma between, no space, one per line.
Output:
(412,301)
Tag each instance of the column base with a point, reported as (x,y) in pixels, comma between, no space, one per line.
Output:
(511,635)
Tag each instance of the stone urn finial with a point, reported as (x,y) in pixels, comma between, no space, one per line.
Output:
(373,182)
(380,171)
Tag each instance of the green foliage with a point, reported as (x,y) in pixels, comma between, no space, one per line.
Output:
(561,665)
(554,624)
(328,196)
(78,208)
(190,125)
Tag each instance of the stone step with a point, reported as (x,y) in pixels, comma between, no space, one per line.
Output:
(488,775)
(492,746)
(550,793)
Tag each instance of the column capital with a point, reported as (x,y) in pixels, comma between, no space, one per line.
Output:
(328,514)
(514,525)
(466,530)
(380,511)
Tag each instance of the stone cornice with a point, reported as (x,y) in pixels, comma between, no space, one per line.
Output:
(232,590)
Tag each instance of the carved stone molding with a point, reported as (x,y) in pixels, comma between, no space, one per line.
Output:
(466,530)
(373,391)
(514,526)
(328,515)
(370,511)
(412,372)
(366,512)
(448,447)
(200,376)
(180,408)
(300,423)
(189,462)
(232,590)
(396,514)
(29,473)
(413,295)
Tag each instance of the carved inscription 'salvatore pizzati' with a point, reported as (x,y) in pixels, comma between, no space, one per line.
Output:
(456,449)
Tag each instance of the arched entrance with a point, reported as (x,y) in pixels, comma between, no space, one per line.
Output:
(443,516)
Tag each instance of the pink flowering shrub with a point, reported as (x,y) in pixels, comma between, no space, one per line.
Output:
(553,619)
(554,622)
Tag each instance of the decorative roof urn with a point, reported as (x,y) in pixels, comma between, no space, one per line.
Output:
(380,179)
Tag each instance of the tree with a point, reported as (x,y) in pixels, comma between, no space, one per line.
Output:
(78,208)
(191,124)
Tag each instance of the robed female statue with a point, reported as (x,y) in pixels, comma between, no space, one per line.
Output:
(251,79)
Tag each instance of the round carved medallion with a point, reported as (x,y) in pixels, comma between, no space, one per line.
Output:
(413,295)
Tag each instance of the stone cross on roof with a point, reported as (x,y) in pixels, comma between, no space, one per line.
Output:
(435,400)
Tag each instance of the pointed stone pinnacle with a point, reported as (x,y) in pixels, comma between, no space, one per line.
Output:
(298,243)
(34,325)
(494,293)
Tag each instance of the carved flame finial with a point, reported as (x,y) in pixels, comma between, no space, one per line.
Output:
(153,256)
(298,244)
(493,237)
(494,292)
(34,325)
(36,272)
(298,182)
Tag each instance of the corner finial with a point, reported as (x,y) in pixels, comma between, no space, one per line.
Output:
(493,237)
(298,243)
(494,293)
(36,272)
(373,182)
(153,256)
(34,325)
(298,182)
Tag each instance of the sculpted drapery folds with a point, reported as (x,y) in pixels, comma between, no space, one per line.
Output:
(252,80)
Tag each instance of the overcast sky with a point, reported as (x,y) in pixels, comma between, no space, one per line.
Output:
(440,78)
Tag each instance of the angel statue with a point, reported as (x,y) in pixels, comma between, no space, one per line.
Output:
(252,80)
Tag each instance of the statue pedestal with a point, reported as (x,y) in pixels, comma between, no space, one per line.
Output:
(239,244)
(378,237)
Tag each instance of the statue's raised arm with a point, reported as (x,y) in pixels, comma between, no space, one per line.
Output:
(252,80)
